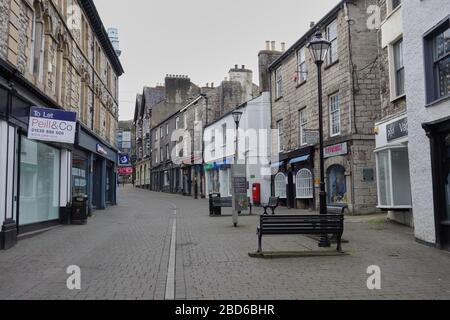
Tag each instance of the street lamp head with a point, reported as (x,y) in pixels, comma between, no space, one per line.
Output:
(237,115)
(319,47)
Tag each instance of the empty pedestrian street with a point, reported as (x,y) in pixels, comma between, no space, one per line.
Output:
(126,252)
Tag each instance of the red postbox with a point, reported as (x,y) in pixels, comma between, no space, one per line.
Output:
(256,191)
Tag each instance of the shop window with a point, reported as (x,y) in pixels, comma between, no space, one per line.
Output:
(3,100)
(280,186)
(79,173)
(39,182)
(394,186)
(337,185)
(304,184)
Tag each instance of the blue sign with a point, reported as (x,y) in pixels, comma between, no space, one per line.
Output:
(52,125)
(124,159)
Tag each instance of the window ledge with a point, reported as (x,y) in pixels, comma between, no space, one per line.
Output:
(301,84)
(328,66)
(278,99)
(395,99)
(438,101)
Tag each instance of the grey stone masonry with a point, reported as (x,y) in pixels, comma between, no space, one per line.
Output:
(354,77)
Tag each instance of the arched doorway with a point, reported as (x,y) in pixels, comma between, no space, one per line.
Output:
(280,185)
(337,184)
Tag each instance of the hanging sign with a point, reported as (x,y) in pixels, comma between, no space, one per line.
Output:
(52,125)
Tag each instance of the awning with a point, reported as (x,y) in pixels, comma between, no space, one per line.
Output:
(278,164)
(299,159)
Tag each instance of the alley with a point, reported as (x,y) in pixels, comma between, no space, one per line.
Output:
(125,253)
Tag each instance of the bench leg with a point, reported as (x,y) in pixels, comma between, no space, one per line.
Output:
(265,211)
(339,243)
(259,243)
(273,211)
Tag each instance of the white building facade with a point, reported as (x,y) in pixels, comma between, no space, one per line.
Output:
(254,149)
(426,37)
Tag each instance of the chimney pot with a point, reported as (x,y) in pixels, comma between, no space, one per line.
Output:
(267,45)
(212,85)
(273,45)
(243,66)
(312,24)
(283,46)
(236,66)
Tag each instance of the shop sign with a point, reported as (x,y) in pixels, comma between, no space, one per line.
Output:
(396,130)
(336,150)
(101,150)
(124,159)
(52,125)
(125,171)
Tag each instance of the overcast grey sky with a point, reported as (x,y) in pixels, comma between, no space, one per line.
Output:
(199,38)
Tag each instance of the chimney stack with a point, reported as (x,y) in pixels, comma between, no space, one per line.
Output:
(272,45)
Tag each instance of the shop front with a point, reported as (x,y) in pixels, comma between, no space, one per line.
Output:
(94,170)
(35,162)
(439,134)
(393,174)
(293,179)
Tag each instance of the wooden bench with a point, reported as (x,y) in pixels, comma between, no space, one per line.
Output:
(337,208)
(301,224)
(217,203)
(273,204)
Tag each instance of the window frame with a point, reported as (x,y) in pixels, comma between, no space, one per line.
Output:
(304,190)
(398,68)
(280,128)
(332,112)
(278,83)
(303,115)
(330,59)
(301,64)
(431,80)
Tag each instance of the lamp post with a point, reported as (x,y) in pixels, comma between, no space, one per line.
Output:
(319,49)
(237,115)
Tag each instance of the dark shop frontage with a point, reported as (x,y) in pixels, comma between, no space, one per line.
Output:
(94,166)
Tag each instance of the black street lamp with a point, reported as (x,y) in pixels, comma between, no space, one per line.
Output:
(237,115)
(319,47)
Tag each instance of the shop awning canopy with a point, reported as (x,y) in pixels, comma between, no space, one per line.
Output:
(278,164)
(299,159)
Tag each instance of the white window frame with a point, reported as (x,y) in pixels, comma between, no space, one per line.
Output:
(278,83)
(280,128)
(304,185)
(391,181)
(395,69)
(281,193)
(303,122)
(161,132)
(167,129)
(33,43)
(302,68)
(334,49)
(333,112)
(177,123)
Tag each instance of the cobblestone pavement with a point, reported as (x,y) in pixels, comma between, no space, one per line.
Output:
(124,253)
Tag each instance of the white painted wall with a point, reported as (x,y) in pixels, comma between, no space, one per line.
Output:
(256,115)
(418,18)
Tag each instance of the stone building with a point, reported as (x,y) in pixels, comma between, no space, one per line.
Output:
(351,96)
(166,175)
(393,177)
(426,38)
(143,142)
(55,54)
